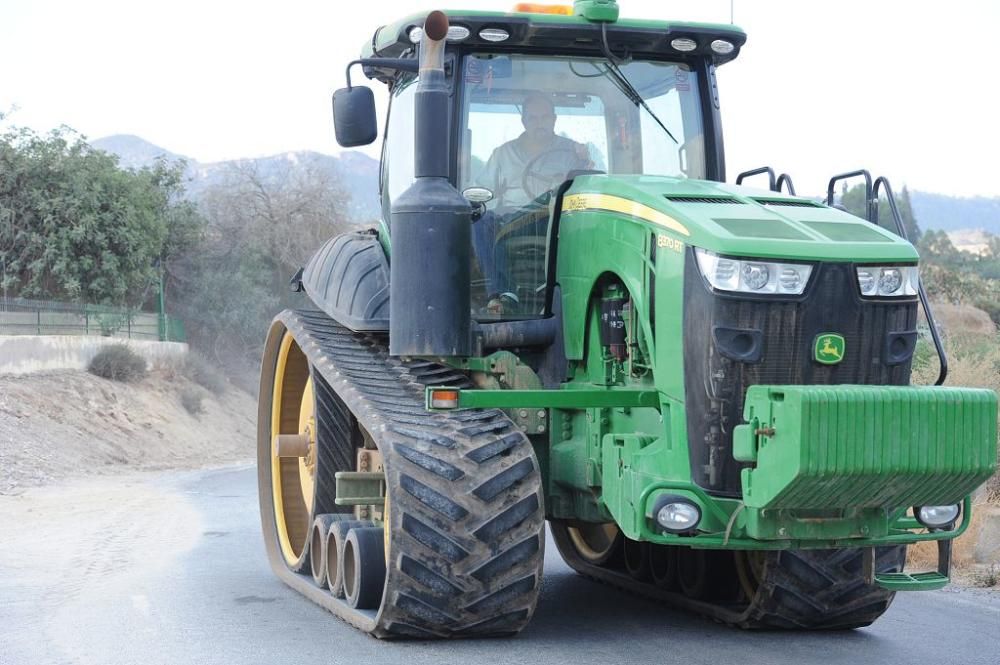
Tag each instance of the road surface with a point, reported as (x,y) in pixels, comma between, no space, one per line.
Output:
(170,568)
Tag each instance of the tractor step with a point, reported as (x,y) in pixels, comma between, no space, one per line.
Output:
(912,582)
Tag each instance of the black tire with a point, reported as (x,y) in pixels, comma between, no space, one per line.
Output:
(821,589)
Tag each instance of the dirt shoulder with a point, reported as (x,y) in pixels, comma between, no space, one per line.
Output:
(62,425)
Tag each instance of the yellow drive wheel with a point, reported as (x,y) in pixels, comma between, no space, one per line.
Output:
(750,570)
(595,543)
(293,451)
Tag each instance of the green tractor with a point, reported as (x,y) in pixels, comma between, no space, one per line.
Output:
(566,315)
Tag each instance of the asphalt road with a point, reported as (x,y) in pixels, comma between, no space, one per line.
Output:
(171,569)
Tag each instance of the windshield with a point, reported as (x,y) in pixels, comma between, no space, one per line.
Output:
(529,121)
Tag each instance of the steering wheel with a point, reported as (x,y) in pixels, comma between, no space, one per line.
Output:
(548,179)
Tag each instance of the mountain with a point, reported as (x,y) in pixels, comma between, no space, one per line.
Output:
(358,174)
(355,172)
(134,152)
(954,213)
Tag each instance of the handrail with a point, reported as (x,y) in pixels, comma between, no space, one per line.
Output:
(752,172)
(882,181)
(782,179)
(870,213)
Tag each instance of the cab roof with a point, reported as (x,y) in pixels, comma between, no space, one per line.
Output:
(564,34)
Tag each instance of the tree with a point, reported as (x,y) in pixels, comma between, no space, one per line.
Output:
(854,200)
(74,226)
(264,222)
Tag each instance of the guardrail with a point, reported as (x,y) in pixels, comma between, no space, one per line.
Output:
(19,316)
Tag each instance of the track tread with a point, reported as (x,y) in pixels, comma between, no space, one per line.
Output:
(802,589)
(467,505)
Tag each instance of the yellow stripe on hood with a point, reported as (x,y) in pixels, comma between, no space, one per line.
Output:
(584,202)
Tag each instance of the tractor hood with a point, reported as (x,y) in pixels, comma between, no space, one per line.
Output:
(739,221)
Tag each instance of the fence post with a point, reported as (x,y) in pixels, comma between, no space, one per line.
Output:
(39,313)
(86,321)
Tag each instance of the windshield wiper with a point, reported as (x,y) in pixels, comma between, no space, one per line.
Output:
(629,90)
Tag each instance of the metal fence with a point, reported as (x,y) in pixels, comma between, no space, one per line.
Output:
(19,316)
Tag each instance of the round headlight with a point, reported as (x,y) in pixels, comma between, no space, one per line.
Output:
(937,517)
(890,281)
(676,514)
(755,275)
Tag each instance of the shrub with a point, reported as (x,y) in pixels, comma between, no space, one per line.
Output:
(191,401)
(118,362)
(198,369)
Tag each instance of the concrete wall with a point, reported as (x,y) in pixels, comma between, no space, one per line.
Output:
(24,354)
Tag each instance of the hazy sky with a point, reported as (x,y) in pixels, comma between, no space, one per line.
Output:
(908,89)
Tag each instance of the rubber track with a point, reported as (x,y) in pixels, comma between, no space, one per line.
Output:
(467,511)
(801,589)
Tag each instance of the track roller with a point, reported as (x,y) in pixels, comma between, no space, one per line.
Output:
(336,538)
(663,566)
(364,567)
(317,547)
(637,560)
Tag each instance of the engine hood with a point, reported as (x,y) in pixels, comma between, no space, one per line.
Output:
(739,221)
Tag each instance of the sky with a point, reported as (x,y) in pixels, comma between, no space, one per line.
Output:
(906,88)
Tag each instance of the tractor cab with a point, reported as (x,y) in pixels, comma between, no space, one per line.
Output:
(540,96)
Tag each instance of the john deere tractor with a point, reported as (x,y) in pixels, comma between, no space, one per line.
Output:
(566,316)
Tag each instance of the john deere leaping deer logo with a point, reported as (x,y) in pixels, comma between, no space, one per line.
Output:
(829,348)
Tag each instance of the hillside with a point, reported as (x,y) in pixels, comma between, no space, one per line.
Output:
(954,213)
(61,425)
(359,174)
(355,171)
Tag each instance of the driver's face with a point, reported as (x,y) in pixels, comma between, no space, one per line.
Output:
(539,120)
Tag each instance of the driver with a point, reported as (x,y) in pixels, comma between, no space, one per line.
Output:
(517,172)
(538,159)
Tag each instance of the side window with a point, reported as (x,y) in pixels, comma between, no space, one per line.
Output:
(667,108)
(397,167)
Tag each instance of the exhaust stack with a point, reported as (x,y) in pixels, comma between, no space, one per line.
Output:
(429,306)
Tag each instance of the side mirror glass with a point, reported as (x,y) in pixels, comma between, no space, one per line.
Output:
(354,116)
(477,195)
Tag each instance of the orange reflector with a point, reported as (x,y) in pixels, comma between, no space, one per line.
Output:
(444,399)
(537,8)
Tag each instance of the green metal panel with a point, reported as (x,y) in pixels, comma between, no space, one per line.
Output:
(823,447)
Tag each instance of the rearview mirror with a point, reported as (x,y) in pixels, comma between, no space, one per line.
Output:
(354,116)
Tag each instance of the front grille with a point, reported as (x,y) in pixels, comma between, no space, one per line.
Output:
(786,329)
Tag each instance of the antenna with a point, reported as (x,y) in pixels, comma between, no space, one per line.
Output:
(731,2)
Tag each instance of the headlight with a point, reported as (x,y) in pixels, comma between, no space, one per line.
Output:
(889,281)
(676,514)
(937,517)
(748,276)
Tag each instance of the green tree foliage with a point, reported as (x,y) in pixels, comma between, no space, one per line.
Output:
(854,200)
(74,226)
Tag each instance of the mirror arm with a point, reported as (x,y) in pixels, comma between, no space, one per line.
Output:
(399,64)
